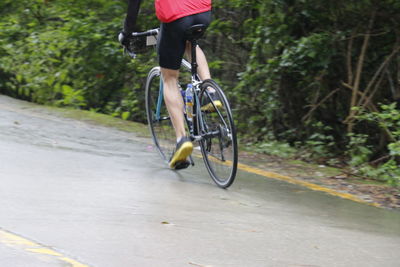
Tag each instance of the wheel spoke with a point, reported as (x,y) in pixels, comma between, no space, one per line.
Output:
(219,145)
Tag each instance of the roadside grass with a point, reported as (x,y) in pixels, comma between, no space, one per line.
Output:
(139,129)
(287,158)
(327,171)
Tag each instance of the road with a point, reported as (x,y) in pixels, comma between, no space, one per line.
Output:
(76,194)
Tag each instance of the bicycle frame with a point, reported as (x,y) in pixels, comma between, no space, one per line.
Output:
(160,99)
(195,133)
(196,87)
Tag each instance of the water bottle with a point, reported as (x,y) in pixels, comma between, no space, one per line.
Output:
(189,102)
(183,94)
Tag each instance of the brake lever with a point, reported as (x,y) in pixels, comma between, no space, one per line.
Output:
(129,53)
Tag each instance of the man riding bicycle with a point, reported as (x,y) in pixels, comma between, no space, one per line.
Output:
(176,17)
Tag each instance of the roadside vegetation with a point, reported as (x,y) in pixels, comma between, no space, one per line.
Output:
(311,80)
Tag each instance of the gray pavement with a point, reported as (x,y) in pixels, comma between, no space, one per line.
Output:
(104,198)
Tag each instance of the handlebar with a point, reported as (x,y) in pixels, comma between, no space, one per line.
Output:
(151,32)
(139,40)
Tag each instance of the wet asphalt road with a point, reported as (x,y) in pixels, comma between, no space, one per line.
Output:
(103,198)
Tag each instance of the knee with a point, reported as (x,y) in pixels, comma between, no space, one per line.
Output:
(169,75)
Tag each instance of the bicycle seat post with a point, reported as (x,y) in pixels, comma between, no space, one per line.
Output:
(194,59)
(193,34)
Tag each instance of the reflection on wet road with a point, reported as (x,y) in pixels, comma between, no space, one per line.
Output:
(101,197)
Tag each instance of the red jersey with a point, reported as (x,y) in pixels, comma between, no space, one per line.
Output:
(170,10)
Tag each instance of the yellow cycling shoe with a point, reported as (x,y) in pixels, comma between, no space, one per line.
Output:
(183,150)
(208,105)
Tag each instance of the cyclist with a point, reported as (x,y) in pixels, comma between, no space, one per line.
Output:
(176,17)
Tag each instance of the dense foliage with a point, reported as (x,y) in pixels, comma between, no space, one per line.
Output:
(322,76)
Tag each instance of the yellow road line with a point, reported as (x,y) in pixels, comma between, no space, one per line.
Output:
(36,249)
(311,186)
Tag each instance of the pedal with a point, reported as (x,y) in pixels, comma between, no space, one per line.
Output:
(182,165)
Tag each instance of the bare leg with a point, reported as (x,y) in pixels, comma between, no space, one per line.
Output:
(203,70)
(173,100)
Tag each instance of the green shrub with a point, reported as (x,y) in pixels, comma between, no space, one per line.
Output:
(388,168)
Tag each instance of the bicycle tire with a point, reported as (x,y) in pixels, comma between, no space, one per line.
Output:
(219,145)
(158,119)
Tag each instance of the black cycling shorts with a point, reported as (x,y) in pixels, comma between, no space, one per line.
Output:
(172,43)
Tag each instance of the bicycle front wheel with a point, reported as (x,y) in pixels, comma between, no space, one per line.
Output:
(219,143)
(158,119)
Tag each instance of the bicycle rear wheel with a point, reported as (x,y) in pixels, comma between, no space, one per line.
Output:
(219,144)
(158,118)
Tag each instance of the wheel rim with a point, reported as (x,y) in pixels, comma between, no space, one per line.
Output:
(158,118)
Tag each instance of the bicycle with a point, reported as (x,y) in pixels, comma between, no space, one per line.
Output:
(212,127)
